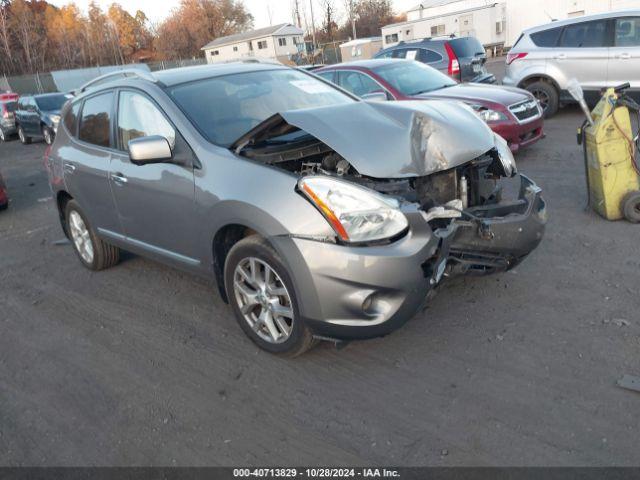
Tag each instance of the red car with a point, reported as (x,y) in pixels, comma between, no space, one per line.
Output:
(4,199)
(512,113)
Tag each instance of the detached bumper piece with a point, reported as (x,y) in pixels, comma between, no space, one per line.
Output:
(501,235)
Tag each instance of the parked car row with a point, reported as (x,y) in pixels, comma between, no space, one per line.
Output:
(30,116)
(512,113)
(597,50)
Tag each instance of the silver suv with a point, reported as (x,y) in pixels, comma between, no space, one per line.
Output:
(598,50)
(320,216)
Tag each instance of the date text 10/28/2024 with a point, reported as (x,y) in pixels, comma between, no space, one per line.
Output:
(315,473)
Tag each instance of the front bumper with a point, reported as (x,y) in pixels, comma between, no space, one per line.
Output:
(8,126)
(520,135)
(509,232)
(349,293)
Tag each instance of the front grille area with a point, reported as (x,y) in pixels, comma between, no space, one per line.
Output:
(526,110)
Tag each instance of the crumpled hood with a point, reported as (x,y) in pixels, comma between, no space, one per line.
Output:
(398,139)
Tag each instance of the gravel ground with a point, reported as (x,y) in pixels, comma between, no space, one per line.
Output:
(143,365)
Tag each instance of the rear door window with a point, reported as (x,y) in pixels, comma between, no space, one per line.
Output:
(585,35)
(546,38)
(627,32)
(358,83)
(429,56)
(95,122)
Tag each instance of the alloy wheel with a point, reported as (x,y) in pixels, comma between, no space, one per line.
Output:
(21,135)
(2,136)
(81,237)
(263,300)
(542,97)
(47,136)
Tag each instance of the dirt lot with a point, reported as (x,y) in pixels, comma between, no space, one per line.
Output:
(143,365)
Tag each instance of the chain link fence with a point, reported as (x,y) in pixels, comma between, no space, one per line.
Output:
(67,80)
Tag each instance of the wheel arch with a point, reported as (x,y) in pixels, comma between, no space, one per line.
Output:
(538,77)
(62,198)
(223,241)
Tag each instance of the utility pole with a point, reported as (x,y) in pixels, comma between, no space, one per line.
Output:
(298,13)
(313,27)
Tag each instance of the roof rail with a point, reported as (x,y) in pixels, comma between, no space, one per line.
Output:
(268,61)
(130,72)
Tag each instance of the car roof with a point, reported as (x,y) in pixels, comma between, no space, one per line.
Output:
(585,18)
(368,64)
(176,76)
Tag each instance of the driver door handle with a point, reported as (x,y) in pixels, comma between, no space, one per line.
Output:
(624,56)
(561,56)
(119,178)
(69,167)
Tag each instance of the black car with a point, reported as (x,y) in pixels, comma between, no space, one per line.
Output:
(37,116)
(463,59)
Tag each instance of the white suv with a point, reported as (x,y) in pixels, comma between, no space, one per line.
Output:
(598,50)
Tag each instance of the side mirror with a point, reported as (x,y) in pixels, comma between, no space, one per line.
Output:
(377,96)
(152,149)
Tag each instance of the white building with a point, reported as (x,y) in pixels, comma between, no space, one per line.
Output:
(434,18)
(494,23)
(360,49)
(277,42)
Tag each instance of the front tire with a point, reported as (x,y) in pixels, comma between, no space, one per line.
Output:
(23,136)
(547,96)
(48,135)
(263,299)
(94,253)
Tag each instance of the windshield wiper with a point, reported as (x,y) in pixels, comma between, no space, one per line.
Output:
(432,89)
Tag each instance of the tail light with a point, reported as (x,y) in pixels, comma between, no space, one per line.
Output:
(512,57)
(454,64)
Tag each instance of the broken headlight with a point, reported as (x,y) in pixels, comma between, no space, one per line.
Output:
(357,214)
(507,162)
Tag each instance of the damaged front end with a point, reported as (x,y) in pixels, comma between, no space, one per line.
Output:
(432,158)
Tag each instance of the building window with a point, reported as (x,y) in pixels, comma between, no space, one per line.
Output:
(282,42)
(235,49)
(262,44)
(215,52)
(296,40)
(393,38)
(437,30)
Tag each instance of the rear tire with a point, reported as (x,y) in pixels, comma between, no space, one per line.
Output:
(94,253)
(631,207)
(547,95)
(23,136)
(253,256)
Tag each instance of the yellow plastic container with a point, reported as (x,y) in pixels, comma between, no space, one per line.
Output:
(611,173)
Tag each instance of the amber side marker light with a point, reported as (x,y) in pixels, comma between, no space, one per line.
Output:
(327,212)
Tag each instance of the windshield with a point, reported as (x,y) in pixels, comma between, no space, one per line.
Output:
(413,78)
(224,108)
(51,102)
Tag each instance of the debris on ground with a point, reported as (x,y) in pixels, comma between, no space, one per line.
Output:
(618,322)
(629,382)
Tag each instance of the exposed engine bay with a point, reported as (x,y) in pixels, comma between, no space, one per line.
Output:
(473,184)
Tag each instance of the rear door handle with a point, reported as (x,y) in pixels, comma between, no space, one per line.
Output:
(561,56)
(69,167)
(119,178)
(624,56)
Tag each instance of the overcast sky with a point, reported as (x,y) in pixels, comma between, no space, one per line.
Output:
(281,10)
